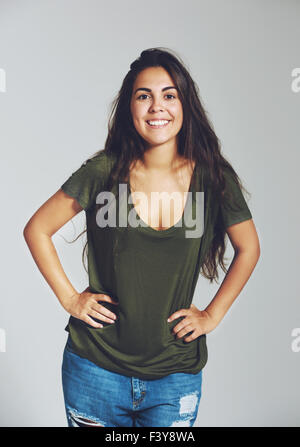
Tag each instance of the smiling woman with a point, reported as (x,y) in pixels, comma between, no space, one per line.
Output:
(166,109)
(134,330)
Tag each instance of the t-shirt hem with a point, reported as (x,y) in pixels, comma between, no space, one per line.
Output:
(239,219)
(123,371)
(75,195)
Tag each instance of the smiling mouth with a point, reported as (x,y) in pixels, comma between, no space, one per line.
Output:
(159,125)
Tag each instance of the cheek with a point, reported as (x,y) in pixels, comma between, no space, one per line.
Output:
(176,110)
(132,111)
(137,113)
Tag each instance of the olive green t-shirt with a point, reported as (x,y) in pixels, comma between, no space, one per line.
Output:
(150,273)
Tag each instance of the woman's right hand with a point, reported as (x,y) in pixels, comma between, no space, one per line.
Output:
(85,304)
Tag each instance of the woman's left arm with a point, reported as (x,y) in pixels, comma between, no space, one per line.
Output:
(245,242)
(244,239)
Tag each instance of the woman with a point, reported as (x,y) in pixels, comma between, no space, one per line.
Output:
(137,344)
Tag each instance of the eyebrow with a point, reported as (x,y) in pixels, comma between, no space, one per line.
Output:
(149,89)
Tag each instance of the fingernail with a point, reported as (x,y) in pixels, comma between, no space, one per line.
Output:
(168,320)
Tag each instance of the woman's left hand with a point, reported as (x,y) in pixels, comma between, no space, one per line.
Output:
(198,321)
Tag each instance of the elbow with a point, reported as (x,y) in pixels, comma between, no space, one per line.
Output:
(27,230)
(256,250)
(32,230)
(252,251)
(255,255)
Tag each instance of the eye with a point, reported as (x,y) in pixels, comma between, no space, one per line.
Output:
(141,96)
(169,94)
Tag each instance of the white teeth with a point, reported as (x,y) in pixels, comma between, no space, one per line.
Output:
(158,123)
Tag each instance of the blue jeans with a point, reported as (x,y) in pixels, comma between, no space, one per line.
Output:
(96,397)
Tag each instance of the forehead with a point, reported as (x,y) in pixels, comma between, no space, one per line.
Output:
(153,77)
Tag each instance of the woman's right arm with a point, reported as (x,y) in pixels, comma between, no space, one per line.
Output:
(38,232)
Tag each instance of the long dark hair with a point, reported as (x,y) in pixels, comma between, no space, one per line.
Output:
(197,141)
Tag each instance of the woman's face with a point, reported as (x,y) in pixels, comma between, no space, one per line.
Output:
(152,99)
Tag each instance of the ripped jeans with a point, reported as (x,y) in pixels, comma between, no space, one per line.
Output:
(96,397)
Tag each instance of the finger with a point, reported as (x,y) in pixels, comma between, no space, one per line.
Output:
(180,326)
(103,310)
(185,330)
(100,315)
(192,337)
(91,322)
(107,298)
(178,313)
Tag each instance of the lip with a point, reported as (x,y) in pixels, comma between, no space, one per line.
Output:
(158,126)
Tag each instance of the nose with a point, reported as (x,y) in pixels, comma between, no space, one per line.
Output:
(156,106)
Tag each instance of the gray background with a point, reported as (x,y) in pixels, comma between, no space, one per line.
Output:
(64,62)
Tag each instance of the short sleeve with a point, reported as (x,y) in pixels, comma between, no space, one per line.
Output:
(234,208)
(85,182)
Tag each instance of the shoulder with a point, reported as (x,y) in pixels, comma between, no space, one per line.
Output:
(226,189)
(90,178)
(101,160)
(229,173)
(99,164)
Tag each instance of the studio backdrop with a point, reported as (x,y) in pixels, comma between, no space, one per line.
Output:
(61,65)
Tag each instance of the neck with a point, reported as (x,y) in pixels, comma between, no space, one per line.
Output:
(161,158)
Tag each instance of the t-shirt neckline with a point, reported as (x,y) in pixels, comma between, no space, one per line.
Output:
(177,226)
